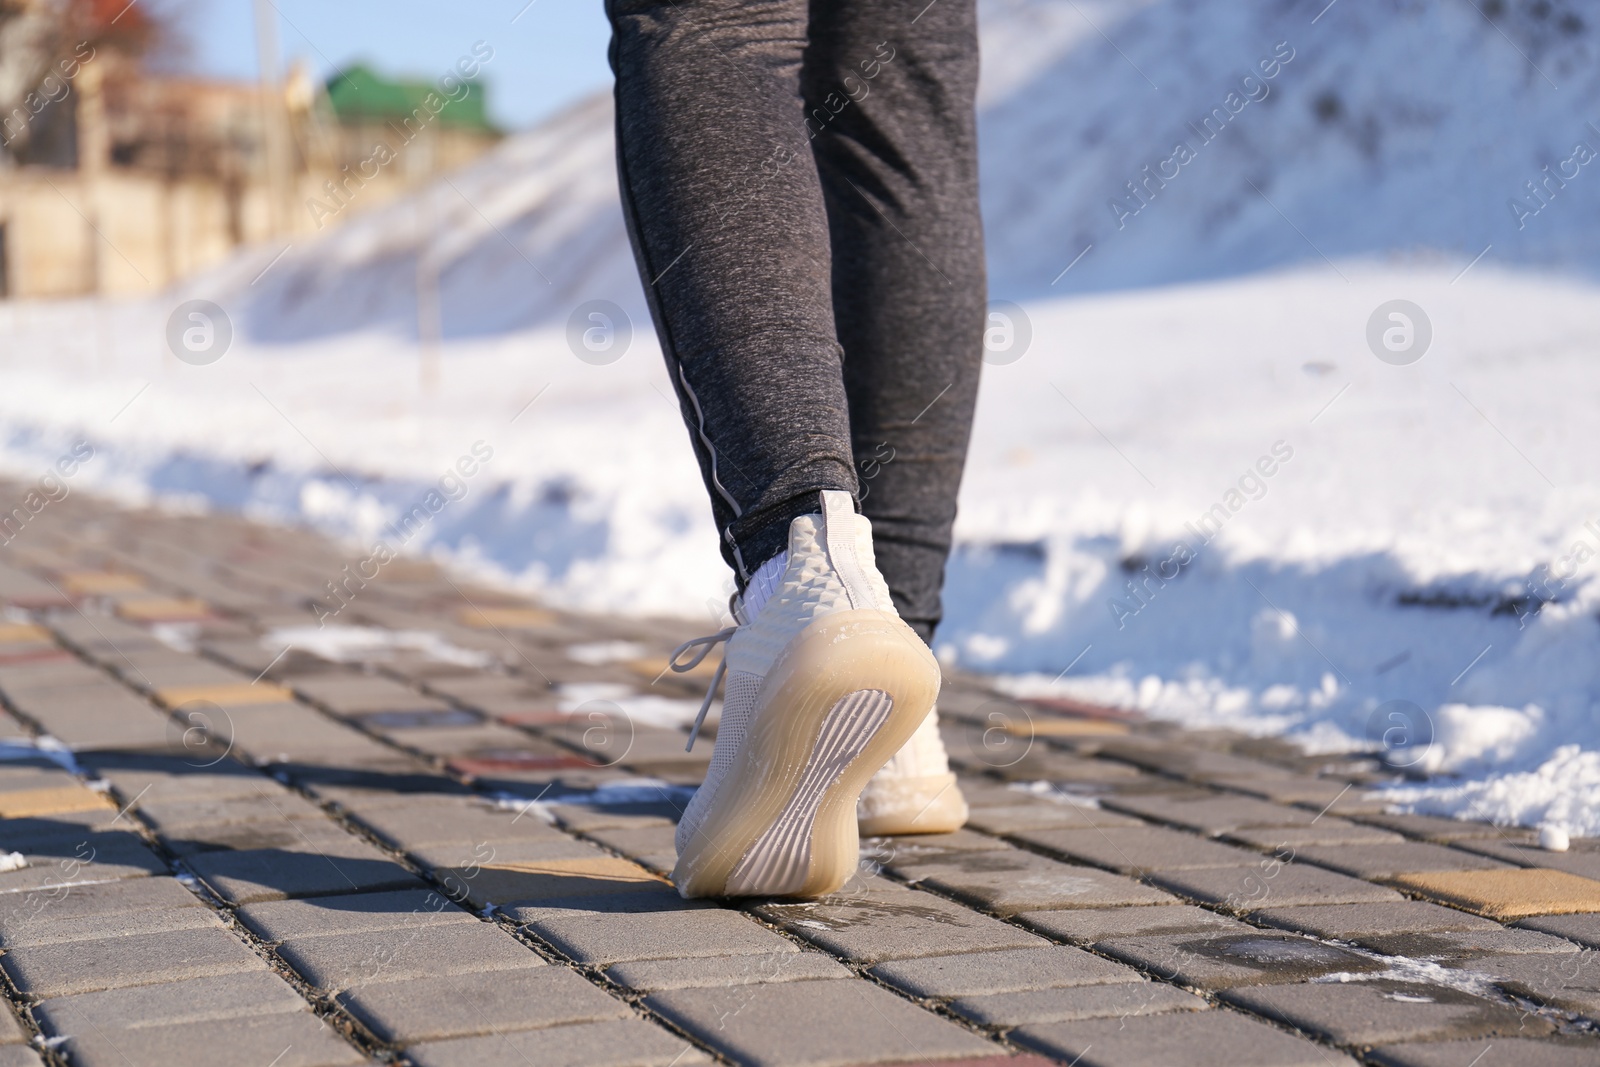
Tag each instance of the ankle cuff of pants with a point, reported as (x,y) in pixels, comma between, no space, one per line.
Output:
(761,535)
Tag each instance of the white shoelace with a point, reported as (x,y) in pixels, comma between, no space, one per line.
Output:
(706,644)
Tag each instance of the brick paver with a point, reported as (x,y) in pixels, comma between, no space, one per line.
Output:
(1381,1012)
(260,856)
(821,1022)
(1195,1039)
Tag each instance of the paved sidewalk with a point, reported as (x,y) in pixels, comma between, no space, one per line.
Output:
(446,846)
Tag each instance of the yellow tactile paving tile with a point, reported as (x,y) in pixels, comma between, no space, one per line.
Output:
(24,633)
(226,695)
(164,609)
(95,583)
(1041,727)
(51,800)
(1509,893)
(507,618)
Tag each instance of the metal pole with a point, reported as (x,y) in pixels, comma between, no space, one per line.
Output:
(275,139)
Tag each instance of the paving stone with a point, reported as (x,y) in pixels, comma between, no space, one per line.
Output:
(1194,1039)
(173,817)
(121,729)
(1462,944)
(1046,815)
(1581,858)
(913,847)
(1270,884)
(193,1000)
(338,961)
(89,903)
(1325,831)
(1430,827)
(1569,981)
(401,779)
(1582,927)
(1330,796)
(296,1040)
(464,854)
(442,741)
(508,882)
(1496,1052)
(642,844)
(1041,762)
(1376,862)
(1210,813)
(1001,972)
(136,959)
(1382,1011)
(1508,893)
(435,820)
(1088,925)
(154,778)
(90,857)
(19,1056)
(814,1023)
(47,931)
(273,874)
(279,920)
(462,1005)
(641,926)
(1342,922)
(70,795)
(614,1043)
(1009,881)
(724,971)
(1215,961)
(588,818)
(1136,851)
(320,836)
(11,1029)
(894,925)
(354,693)
(1123,1000)
(26,773)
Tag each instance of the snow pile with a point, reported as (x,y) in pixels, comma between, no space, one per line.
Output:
(1158,140)
(360,644)
(1220,137)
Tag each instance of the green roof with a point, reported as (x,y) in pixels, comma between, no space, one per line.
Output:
(360,95)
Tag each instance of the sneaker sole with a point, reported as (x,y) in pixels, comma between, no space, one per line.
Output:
(846,694)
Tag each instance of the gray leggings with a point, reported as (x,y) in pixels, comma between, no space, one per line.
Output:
(800,185)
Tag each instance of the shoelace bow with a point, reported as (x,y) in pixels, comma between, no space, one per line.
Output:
(706,644)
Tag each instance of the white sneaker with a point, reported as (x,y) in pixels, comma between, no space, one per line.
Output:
(824,685)
(914,793)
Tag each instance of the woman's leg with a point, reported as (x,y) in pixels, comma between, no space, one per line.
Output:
(890,87)
(727,219)
(824,681)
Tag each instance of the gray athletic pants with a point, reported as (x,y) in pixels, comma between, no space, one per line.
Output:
(800,186)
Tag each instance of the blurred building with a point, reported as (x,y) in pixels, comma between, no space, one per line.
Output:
(114,180)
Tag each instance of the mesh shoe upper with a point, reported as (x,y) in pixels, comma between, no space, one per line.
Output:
(828,570)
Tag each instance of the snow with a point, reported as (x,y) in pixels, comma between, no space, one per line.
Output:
(345,644)
(1198,492)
